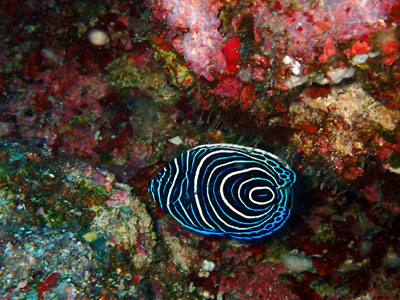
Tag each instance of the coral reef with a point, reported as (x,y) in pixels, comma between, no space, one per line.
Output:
(96,97)
(273,47)
(347,125)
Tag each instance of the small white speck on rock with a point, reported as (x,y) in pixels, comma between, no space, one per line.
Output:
(97,37)
(297,262)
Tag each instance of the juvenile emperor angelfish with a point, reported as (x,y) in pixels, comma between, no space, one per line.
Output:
(226,190)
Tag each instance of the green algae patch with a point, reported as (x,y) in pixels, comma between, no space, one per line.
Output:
(395,160)
(124,74)
(178,71)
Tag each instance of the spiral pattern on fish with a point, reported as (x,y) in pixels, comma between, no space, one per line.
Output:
(226,189)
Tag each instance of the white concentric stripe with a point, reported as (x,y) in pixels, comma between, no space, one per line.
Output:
(185,171)
(231,151)
(251,151)
(196,172)
(235,161)
(199,169)
(219,217)
(198,206)
(261,188)
(252,157)
(188,219)
(221,190)
(161,180)
(251,179)
(168,205)
(176,173)
(258,233)
(174,181)
(255,155)
(196,180)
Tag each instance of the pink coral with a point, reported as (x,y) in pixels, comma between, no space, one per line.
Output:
(202,43)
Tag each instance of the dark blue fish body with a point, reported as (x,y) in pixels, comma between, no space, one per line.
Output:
(226,190)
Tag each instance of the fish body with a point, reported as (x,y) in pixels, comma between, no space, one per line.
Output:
(226,190)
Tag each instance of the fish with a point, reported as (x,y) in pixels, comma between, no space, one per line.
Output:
(226,190)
